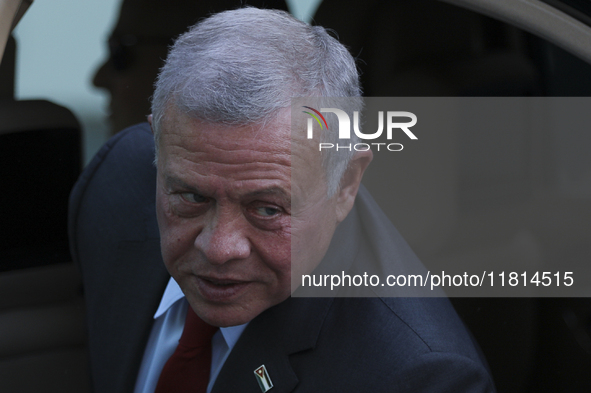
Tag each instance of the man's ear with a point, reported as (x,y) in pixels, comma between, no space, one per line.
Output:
(350,183)
(150,121)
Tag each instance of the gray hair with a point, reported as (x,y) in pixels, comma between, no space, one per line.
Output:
(243,66)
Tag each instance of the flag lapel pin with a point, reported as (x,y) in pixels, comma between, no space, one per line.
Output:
(263,379)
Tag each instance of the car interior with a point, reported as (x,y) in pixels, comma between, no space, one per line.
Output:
(520,199)
(42,310)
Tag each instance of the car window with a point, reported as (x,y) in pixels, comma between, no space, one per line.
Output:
(60,46)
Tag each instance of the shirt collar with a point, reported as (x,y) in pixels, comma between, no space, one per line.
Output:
(173,294)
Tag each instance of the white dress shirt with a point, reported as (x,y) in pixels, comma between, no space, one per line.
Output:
(165,335)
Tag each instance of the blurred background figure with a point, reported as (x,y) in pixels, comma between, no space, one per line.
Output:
(138,46)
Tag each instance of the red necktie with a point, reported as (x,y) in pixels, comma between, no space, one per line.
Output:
(187,369)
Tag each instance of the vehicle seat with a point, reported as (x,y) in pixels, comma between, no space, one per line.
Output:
(42,333)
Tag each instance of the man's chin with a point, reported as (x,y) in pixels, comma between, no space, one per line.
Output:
(225,316)
(233,314)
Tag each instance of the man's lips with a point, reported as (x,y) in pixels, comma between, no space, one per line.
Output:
(221,281)
(220,289)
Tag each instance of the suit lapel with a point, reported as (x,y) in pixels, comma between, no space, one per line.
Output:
(130,332)
(288,328)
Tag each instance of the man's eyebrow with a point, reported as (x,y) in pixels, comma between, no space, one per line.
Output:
(277,191)
(171,181)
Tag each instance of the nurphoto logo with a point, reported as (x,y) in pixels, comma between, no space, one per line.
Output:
(392,123)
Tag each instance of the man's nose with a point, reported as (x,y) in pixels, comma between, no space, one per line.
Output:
(224,239)
(101,76)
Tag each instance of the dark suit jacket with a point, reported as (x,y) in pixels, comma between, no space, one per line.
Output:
(307,344)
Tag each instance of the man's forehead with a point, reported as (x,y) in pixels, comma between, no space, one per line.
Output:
(270,141)
(274,130)
(254,148)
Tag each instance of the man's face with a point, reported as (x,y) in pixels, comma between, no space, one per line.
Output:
(226,217)
(130,83)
